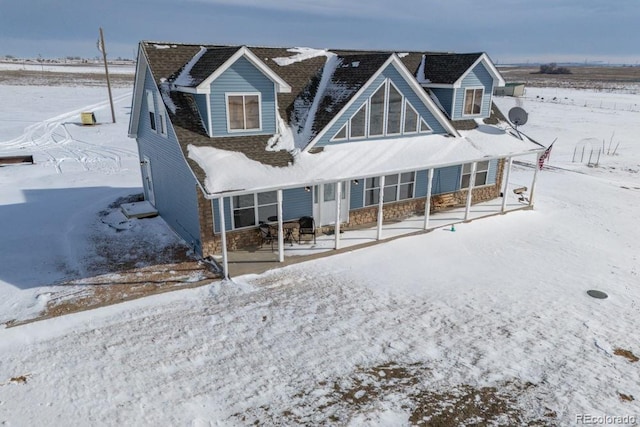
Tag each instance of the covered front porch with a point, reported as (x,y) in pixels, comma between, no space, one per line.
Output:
(259,259)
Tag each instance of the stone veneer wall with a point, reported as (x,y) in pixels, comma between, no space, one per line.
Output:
(248,238)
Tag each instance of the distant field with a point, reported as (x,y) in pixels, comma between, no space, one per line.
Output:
(599,78)
(620,79)
(55,78)
(28,72)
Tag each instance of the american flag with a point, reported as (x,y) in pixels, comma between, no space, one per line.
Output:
(544,156)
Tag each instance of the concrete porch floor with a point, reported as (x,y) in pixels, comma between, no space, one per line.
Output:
(259,260)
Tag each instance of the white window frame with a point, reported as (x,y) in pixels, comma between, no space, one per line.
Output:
(420,122)
(161,124)
(473,90)
(384,111)
(346,133)
(403,99)
(256,207)
(386,83)
(244,109)
(386,185)
(367,107)
(478,170)
(151,107)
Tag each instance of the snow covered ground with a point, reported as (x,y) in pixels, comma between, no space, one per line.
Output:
(493,319)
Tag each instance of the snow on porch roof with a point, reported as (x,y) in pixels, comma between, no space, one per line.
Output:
(229,172)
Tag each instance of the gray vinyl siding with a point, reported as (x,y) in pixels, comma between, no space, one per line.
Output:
(445,96)
(242,77)
(174,184)
(477,77)
(421,183)
(201,102)
(356,198)
(446,180)
(404,88)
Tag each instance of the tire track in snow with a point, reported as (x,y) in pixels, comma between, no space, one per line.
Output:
(51,138)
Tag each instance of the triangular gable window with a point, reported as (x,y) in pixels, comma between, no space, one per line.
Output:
(357,124)
(342,133)
(410,118)
(424,127)
(387,112)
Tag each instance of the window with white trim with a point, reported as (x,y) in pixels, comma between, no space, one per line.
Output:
(387,112)
(482,174)
(151,107)
(358,123)
(396,187)
(162,122)
(329,192)
(410,119)
(243,111)
(473,101)
(252,209)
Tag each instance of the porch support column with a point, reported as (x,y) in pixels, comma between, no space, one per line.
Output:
(427,203)
(336,229)
(535,177)
(380,203)
(505,192)
(472,183)
(280,235)
(223,237)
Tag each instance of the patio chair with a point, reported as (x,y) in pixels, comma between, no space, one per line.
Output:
(265,235)
(307,226)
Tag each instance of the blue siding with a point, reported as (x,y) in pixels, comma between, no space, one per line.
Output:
(174,184)
(356,198)
(227,214)
(421,183)
(242,77)
(402,85)
(446,180)
(445,96)
(201,102)
(479,76)
(296,202)
(493,171)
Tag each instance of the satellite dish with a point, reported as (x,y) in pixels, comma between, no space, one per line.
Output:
(518,116)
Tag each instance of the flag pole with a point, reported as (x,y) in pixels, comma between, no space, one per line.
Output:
(106,71)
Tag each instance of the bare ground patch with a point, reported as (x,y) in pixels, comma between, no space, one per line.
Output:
(627,354)
(406,389)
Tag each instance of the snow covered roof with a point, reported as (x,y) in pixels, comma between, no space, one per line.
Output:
(314,86)
(234,172)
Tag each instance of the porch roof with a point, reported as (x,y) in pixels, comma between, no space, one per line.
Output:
(231,172)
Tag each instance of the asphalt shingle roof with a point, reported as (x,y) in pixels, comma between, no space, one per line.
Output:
(447,68)
(354,68)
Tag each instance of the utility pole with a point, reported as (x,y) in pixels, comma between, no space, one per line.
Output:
(102,49)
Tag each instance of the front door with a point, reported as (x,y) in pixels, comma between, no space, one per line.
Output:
(147,181)
(324,203)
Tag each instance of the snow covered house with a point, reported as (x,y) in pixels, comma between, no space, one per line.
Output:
(233,136)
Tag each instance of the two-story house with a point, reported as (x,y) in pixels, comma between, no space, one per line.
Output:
(233,136)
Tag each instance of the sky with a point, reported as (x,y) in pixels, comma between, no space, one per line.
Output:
(508,30)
